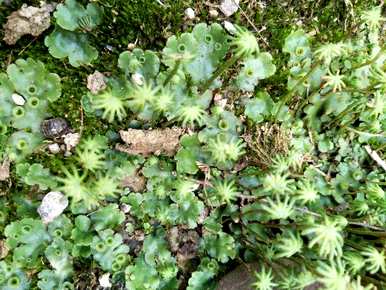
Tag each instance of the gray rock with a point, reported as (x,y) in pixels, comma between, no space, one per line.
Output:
(4,170)
(229,7)
(52,206)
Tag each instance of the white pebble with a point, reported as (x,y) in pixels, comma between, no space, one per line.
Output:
(190,14)
(52,206)
(18,100)
(213,13)
(131,46)
(229,7)
(71,140)
(229,27)
(54,148)
(138,79)
(104,280)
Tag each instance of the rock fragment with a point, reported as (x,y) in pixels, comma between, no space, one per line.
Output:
(53,204)
(27,20)
(4,170)
(96,82)
(189,13)
(135,182)
(54,148)
(145,142)
(71,140)
(229,7)
(104,281)
(18,100)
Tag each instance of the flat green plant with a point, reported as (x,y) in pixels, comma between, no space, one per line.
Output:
(293,182)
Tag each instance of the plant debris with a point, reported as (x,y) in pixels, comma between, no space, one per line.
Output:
(27,20)
(146,142)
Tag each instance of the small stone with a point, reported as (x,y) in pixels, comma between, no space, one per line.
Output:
(52,206)
(189,13)
(213,13)
(4,170)
(104,280)
(229,7)
(71,140)
(138,79)
(125,208)
(229,27)
(18,100)
(27,20)
(54,148)
(131,46)
(96,82)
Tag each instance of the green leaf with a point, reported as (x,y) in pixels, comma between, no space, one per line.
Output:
(212,47)
(255,69)
(220,246)
(107,217)
(187,155)
(259,107)
(71,15)
(145,63)
(75,46)
(36,174)
(297,44)
(30,79)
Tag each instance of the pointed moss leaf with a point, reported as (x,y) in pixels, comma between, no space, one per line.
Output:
(75,46)
(30,79)
(257,108)
(255,69)
(212,47)
(72,15)
(145,63)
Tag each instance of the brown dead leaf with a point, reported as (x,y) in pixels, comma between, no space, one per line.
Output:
(3,249)
(145,142)
(27,20)
(135,182)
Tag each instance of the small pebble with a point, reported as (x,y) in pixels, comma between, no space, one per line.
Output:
(104,280)
(52,206)
(71,140)
(138,79)
(18,100)
(125,208)
(96,82)
(54,148)
(213,13)
(131,46)
(229,7)
(229,27)
(189,13)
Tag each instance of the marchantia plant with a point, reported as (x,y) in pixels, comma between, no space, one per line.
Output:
(294,183)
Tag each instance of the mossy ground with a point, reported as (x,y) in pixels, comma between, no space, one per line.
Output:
(149,23)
